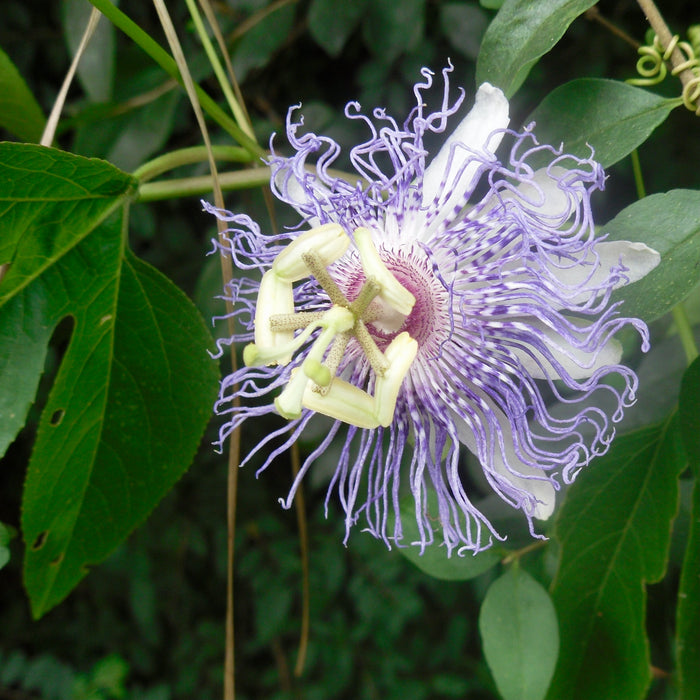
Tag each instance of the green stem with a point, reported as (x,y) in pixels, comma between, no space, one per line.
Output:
(637,171)
(166,62)
(188,156)
(235,108)
(685,331)
(191,186)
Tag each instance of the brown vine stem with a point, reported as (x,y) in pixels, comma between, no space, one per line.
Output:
(594,14)
(658,24)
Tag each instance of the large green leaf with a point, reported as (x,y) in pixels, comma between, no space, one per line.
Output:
(119,429)
(434,560)
(520,635)
(50,202)
(20,113)
(519,35)
(611,117)
(688,611)
(669,223)
(614,531)
(135,387)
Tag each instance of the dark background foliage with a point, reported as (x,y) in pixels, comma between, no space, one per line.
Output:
(148,624)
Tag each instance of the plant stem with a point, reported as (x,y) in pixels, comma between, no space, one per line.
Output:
(685,331)
(188,156)
(166,62)
(190,186)
(658,24)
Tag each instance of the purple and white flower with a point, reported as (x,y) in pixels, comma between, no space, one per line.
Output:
(429,303)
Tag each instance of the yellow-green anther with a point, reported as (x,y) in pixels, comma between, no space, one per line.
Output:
(397,296)
(289,402)
(343,402)
(275,297)
(318,373)
(336,320)
(255,354)
(329,242)
(399,355)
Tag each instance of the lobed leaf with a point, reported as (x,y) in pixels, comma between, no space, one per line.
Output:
(519,35)
(669,223)
(123,419)
(614,532)
(609,116)
(520,635)
(20,113)
(134,390)
(51,202)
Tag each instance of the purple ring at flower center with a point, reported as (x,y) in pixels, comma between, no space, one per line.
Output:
(429,318)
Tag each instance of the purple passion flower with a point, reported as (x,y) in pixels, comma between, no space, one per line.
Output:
(428,303)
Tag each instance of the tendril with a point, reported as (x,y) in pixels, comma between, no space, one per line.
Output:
(653,59)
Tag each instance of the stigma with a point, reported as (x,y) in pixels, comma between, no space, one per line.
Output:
(281,331)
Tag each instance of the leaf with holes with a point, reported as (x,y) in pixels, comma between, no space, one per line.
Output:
(135,387)
(614,532)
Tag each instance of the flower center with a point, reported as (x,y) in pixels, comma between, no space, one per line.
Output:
(380,298)
(428,320)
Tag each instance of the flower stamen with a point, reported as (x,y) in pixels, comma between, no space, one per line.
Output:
(314,383)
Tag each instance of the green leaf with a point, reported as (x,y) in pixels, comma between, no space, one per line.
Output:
(20,113)
(614,532)
(688,611)
(123,420)
(135,387)
(611,117)
(391,28)
(434,560)
(96,67)
(332,21)
(519,35)
(51,202)
(669,223)
(689,414)
(520,635)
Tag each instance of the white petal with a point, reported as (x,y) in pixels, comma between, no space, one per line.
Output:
(638,258)
(294,194)
(577,363)
(507,464)
(489,113)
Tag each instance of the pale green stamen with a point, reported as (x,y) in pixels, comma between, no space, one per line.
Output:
(314,384)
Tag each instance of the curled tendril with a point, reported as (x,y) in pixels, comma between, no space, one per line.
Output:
(652,65)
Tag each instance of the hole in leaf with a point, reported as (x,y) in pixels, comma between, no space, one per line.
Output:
(57,416)
(40,540)
(57,560)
